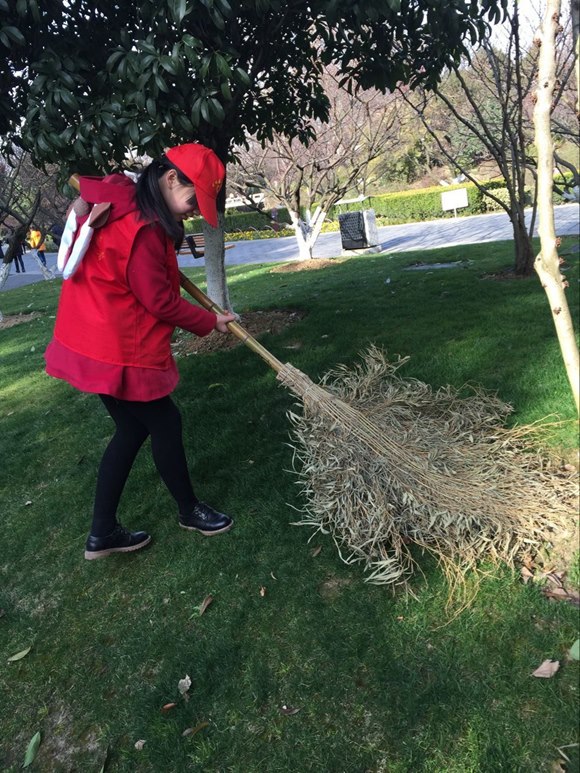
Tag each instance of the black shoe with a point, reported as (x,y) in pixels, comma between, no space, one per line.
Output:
(206,520)
(118,541)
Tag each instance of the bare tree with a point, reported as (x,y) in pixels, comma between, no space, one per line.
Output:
(28,196)
(547,263)
(490,99)
(309,180)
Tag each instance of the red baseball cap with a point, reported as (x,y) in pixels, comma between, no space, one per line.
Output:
(206,172)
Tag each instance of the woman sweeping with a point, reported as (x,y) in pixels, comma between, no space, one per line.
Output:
(113,329)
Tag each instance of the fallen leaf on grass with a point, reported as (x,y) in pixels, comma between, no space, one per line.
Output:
(205,604)
(168,707)
(183,686)
(32,750)
(562,594)
(574,651)
(288,710)
(555,578)
(195,730)
(547,669)
(316,551)
(19,655)
(526,574)
(262,591)
(140,744)
(555,593)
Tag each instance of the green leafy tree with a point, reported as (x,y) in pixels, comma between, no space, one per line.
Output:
(85,81)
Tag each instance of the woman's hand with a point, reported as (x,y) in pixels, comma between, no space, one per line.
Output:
(222,321)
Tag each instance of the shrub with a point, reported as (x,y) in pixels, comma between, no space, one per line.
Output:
(241,221)
(234,236)
(419,205)
(503,195)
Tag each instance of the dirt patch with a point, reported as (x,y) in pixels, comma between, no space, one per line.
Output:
(330,589)
(306,265)
(11,320)
(255,322)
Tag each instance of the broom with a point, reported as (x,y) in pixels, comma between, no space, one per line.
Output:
(387,463)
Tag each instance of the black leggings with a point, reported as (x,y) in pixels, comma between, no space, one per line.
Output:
(134,422)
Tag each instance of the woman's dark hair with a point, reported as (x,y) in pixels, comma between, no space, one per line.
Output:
(150,201)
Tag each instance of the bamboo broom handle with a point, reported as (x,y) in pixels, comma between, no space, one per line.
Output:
(233,327)
(208,304)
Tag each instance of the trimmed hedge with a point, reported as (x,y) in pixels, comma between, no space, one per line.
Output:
(423,204)
(241,221)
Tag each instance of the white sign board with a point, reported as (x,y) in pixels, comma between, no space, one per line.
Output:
(454,199)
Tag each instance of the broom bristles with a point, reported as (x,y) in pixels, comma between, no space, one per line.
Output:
(386,462)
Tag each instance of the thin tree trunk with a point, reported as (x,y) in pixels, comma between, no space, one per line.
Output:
(4,273)
(547,263)
(575,8)
(524,250)
(215,270)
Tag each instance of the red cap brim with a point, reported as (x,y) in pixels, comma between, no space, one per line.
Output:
(207,206)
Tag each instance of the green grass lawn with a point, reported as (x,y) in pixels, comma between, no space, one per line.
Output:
(383,683)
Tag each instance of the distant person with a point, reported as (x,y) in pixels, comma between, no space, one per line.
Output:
(56,232)
(18,260)
(36,241)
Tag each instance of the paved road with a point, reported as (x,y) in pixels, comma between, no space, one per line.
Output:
(393,238)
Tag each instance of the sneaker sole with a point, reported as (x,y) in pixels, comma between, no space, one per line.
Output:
(207,533)
(91,554)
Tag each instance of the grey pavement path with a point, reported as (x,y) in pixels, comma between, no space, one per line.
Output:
(393,238)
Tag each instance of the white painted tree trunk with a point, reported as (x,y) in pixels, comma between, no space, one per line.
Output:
(547,263)
(215,270)
(307,230)
(4,273)
(46,272)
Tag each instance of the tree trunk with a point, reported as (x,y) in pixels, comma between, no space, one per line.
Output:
(215,270)
(4,272)
(575,5)
(524,249)
(304,245)
(302,232)
(547,263)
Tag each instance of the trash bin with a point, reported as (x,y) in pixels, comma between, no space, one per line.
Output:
(358,230)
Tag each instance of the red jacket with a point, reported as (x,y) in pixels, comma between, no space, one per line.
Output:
(99,316)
